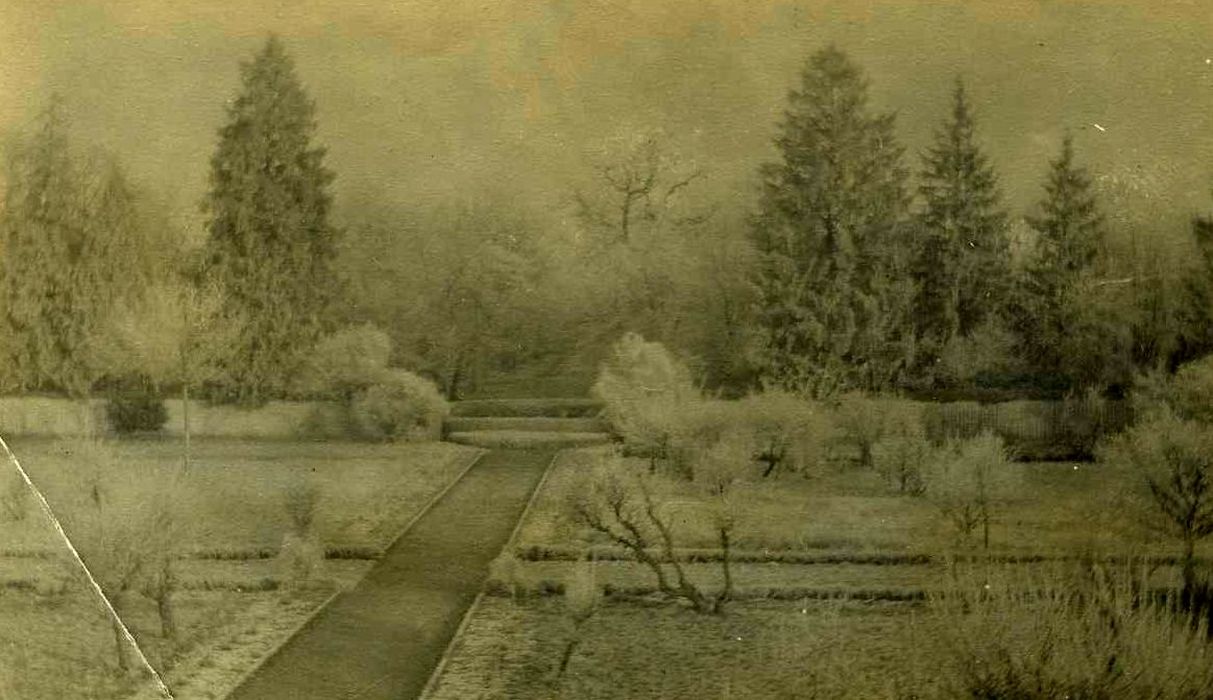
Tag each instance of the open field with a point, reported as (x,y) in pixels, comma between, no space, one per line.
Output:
(234,600)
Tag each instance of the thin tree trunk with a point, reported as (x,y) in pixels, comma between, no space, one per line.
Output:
(1189,567)
(185,422)
(568,653)
(168,617)
(725,565)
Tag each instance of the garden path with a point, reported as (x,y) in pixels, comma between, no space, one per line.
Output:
(383,638)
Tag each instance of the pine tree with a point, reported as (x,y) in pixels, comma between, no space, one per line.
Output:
(963,255)
(73,248)
(833,277)
(271,248)
(1069,233)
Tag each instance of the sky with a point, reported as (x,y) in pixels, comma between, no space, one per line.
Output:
(426,101)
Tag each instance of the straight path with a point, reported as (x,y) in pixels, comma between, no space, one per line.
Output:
(382,639)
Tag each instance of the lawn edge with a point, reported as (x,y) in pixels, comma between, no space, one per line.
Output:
(302,625)
(431,684)
(404,529)
(327,601)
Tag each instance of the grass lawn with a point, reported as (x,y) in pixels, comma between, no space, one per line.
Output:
(1054,508)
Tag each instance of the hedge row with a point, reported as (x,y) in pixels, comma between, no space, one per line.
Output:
(540,553)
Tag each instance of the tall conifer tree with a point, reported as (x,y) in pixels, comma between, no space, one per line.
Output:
(1069,231)
(72,247)
(963,255)
(833,294)
(270,247)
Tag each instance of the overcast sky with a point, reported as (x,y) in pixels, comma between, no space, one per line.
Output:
(419,101)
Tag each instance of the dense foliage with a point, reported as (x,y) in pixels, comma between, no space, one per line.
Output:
(270,245)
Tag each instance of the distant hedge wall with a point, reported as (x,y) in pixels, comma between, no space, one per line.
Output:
(1033,430)
(281,420)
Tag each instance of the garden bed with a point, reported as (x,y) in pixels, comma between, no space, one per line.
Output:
(759,650)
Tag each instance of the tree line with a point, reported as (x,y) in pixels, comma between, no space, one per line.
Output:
(851,270)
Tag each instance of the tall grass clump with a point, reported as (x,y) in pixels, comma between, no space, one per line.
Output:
(1070,633)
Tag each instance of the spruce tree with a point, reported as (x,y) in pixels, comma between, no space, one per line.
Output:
(1069,232)
(73,248)
(270,248)
(833,277)
(963,255)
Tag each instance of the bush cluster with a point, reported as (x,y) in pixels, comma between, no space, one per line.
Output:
(134,406)
(645,391)
(655,408)
(1079,634)
(400,406)
(369,399)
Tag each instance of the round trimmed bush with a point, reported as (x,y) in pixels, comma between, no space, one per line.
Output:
(135,408)
(400,406)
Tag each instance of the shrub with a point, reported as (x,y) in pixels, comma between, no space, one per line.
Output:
(1074,635)
(125,525)
(1188,395)
(1174,459)
(302,553)
(902,457)
(862,421)
(643,388)
(966,480)
(300,502)
(134,407)
(696,426)
(401,405)
(504,574)
(621,504)
(300,559)
(789,433)
(345,362)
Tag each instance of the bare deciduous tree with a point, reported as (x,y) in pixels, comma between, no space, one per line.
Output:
(622,502)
